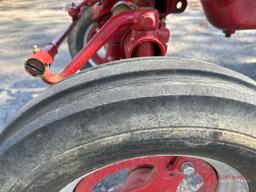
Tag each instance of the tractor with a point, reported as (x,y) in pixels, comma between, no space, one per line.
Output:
(123,112)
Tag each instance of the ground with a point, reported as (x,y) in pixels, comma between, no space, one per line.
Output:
(24,23)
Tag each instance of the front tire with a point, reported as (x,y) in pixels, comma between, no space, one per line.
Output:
(127,109)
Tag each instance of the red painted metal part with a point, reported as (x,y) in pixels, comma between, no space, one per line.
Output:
(151,174)
(124,36)
(135,33)
(97,58)
(106,6)
(164,7)
(144,20)
(105,34)
(231,15)
(103,9)
(173,8)
(75,10)
(45,57)
(224,14)
(152,43)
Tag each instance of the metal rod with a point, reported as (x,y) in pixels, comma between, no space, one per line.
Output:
(105,33)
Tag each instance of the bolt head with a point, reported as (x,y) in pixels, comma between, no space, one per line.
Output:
(188,168)
(148,20)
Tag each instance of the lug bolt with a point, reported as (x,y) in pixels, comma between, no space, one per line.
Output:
(192,180)
(188,168)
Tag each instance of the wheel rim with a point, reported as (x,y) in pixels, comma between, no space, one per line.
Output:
(101,56)
(166,174)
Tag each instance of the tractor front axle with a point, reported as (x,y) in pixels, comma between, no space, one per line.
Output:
(137,32)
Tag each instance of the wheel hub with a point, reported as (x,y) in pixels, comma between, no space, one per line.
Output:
(157,173)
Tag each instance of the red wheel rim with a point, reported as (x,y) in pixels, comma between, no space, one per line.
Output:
(157,173)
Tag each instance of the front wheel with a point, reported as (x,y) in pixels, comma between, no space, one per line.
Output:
(137,125)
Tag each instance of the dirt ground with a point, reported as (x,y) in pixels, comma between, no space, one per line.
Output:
(24,23)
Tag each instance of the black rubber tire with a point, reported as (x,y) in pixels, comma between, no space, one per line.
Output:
(127,109)
(76,37)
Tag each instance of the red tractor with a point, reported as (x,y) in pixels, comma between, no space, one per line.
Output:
(143,122)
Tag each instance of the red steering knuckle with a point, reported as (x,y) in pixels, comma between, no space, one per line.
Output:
(147,37)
